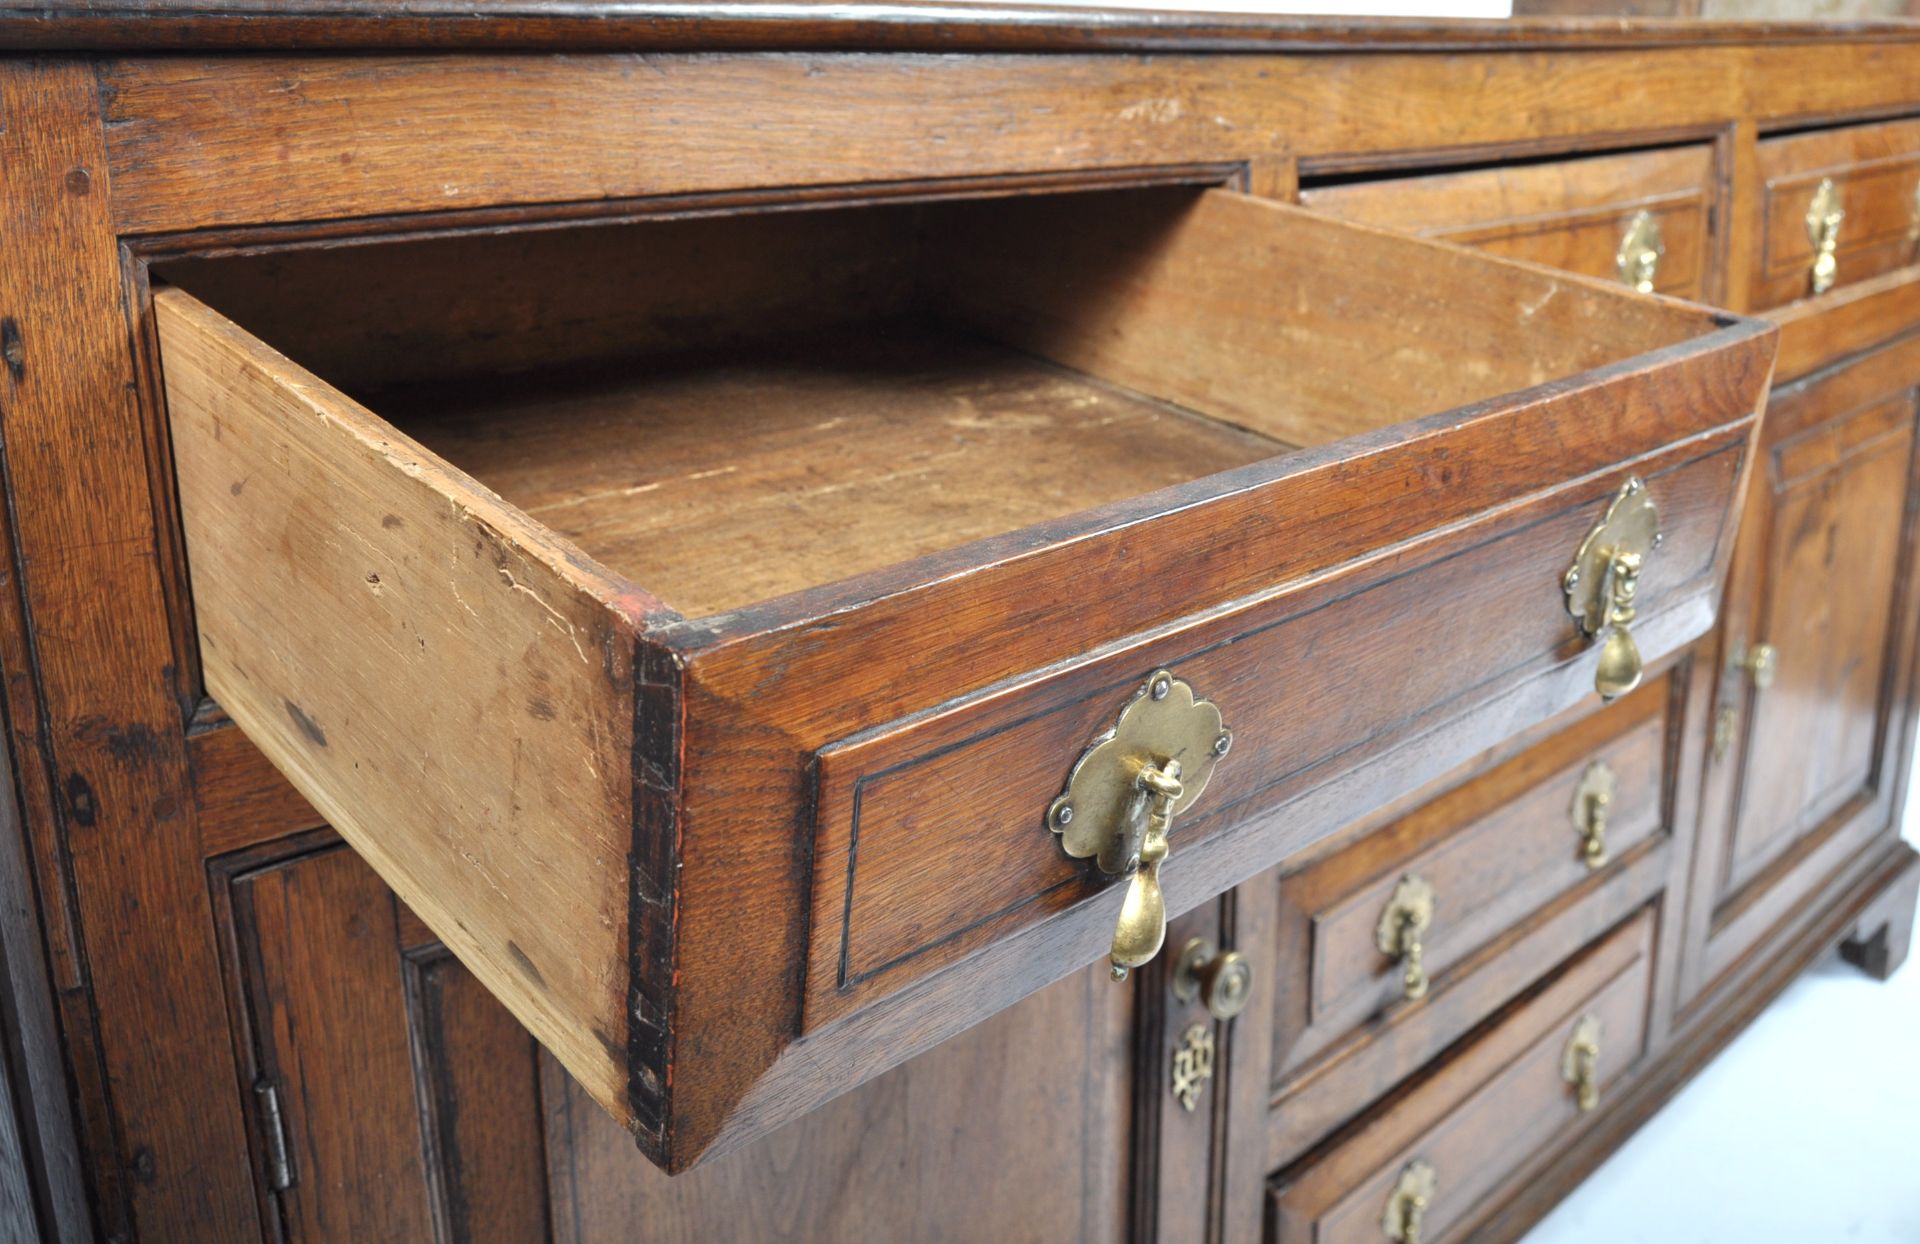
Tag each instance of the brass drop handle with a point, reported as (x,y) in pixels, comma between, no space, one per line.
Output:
(1824,215)
(1402,931)
(1580,1062)
(1222,980)
(1592,799)
(1761,663)
(1142,929)
(1407,1202)
(1603,584)
(1619,669)
(1123,793)
(1641,248)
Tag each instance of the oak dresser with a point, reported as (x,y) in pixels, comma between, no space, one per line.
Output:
(889,623)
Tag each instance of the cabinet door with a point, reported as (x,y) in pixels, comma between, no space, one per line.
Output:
(395,1100)
(1817,644)
(398,1101)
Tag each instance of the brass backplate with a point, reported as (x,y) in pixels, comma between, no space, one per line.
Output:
(1408,913)
(1163,722)
(1597,780)
(1630,525)
(1638,259)
(1591,799)
(1407,1202)
(1580,1060)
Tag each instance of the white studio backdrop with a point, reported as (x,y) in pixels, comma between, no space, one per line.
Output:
(1328,8)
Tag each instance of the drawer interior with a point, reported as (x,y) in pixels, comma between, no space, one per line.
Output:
(601,585)
(731,409)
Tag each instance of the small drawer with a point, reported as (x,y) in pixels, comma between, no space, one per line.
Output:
(1837,206)
(1509,884)
(1640,217)
(702,633)
(1466,1130)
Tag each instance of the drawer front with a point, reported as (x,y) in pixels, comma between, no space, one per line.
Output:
(679,847)
(882,918)
(1869,175)
(1479,1119)
(1573,214)
(1503,867)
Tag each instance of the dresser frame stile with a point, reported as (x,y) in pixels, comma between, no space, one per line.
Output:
(134,791)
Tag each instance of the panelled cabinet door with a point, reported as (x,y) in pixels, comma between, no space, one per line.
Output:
(397,1100)
(1807,721)
(394,1098)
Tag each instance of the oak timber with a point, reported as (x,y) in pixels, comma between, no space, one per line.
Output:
(512,841)
(721,482)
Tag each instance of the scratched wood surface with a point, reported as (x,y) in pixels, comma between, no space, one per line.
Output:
(1825,573)
(320,149)
(722,482)
(1569,214)
(510,840)
(858,461)
(1479,1118)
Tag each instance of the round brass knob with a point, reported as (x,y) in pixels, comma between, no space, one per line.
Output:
(1221,979)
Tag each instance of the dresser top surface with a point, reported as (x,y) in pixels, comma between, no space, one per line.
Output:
(830,25)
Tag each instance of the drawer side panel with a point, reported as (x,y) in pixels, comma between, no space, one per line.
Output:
(431,673)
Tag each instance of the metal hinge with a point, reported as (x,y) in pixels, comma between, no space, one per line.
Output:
(273,1129)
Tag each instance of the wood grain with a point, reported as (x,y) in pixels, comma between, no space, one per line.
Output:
(321,138)
(374,621)
(370,24)
(402,556)
(1851,319)
(171,1154)
(1875,169)
(448,306)
(242,800)
(1826,566)
(479,1077)
(1492,862)
(882,920)
(314,935)
(41,1196)
(1569,214)
(907,1156)
(1220,303)
(1501,1095)
(298,152)
(1327,1068)
(723,482)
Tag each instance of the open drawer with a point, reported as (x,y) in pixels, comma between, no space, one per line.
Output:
(712,684)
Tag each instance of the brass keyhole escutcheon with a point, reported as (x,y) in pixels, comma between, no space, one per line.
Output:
(1592,799)
(1407,1203)
(1824,216)
(1401,933)
(1222,980)
(1123,794)
(1602,586)
(1580,1062)
(1192,1064)
(1641,249)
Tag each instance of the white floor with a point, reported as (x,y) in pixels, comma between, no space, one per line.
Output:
(1805,1130)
